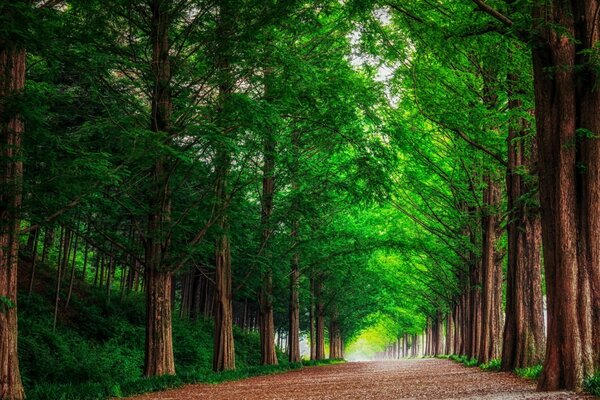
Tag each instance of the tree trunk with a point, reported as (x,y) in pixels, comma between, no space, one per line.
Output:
(311,319)
(223,354)
(320,321)
(159,338)
(567,101)
(268,355)
(488,341)
(523,339)
(33,261)
(294,332)
(159,359)
(12,83)
(589,155)
(335,339)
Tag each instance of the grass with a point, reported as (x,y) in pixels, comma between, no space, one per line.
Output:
(532,372)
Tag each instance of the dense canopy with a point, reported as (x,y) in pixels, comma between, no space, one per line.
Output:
(348,179)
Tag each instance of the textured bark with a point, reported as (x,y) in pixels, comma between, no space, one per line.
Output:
(294,317)
(588,97)
(268,355)
(523,339)
(320,321)
(488,347)
(311,319)
(449,334)
(34,252)
(224,351)
(159,359)
(12,83)
(335,339)
(567,107)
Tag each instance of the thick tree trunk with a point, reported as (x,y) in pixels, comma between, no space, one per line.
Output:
(12,83)
(588,96)
(523,339)
(159,359)
(224,351)
(568,196)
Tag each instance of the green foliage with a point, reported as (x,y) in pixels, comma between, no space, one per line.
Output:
(468,362)
(532,372)
(592,385)
(493,366)
(99,353)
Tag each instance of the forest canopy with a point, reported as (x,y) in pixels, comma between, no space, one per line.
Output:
(243,183)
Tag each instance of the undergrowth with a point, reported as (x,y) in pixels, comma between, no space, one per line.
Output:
(592,384)
(97,349)
(532,372)
(469,362)
(493,366)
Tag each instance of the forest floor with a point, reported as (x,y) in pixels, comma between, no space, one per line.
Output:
(404,379)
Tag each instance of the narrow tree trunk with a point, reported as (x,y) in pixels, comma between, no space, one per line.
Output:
(311,320)
(267,328)
(33,261)
(48,240)
(488,340)
(294,332)
(320,322)
(73,265)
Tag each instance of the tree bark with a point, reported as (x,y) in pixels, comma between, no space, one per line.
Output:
(159,358)
(223,353)
(320,321)
(12,83)
(523,339)
(267,327)
(566,94)
(294,332)
(488,341)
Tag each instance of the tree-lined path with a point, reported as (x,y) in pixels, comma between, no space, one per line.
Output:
(197,191)
(383,380)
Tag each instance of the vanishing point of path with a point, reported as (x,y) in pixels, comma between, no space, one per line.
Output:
(406,379)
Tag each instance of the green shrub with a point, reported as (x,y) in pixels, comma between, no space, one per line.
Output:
(464,360)
(493,365)
(533,372)
(592,384)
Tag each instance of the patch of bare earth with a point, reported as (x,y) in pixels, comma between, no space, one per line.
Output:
(405,379)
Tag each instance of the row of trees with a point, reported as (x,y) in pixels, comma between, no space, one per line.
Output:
(317,166)
(216,154)
(507,93)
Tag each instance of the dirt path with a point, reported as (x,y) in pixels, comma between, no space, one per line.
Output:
(407,379)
